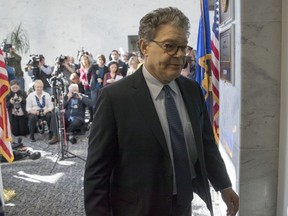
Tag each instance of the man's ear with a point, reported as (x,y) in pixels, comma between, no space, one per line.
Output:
(143,46)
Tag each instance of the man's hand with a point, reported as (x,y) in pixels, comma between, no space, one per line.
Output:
(45,111)
(69,95)
(78,95)
(231,200)
(34,112)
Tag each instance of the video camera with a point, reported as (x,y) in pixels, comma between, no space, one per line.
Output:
(33,64)
(59,61)
(75,95)
(57,82)
(17,104)
(5,46)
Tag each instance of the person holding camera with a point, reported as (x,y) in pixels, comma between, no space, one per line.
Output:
(38,70)
(14,60)
(38,106)
(16,106)
(63,66)
(74,104)
(45,74)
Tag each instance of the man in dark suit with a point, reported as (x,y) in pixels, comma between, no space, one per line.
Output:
(134,165)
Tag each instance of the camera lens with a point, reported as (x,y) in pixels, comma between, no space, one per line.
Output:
(74,95)
(17,105)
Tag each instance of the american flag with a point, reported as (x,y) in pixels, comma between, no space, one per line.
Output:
(5,132)
(203,54)
(215,66)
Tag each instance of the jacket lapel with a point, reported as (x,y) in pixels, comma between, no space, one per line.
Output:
(143,101)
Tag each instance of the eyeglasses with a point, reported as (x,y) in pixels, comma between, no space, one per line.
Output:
(170,48)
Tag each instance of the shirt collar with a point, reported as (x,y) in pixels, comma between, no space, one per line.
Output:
(41,94)
(155,85)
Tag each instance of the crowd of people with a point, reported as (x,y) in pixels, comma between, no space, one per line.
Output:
(80,84)
(89,75)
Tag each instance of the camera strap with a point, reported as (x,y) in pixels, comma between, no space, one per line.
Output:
(38,102)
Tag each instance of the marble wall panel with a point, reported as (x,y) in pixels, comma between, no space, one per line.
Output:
(260,85)
(259,10)
(258,182)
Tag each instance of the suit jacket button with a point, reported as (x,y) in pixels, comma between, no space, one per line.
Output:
(169,198)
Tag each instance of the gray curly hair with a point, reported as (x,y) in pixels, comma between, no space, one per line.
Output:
(168,15)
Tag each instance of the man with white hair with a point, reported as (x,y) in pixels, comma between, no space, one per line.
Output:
(75,105)
(38,106)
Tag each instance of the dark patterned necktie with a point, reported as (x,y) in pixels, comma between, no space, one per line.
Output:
(180,154)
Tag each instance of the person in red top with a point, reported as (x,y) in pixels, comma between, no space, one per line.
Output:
(84,68)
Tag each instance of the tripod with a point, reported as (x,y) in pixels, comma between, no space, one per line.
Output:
(59,110)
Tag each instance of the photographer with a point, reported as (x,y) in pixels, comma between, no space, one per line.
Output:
(74,104)
(38,106)
(16,106)
(14,60)
(38,70)
(62,65)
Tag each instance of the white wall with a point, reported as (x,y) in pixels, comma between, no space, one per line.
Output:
(63,27)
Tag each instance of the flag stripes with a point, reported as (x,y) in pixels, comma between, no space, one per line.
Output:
(5,130)
(215,67)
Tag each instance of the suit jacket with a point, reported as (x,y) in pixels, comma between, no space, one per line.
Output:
(129,170)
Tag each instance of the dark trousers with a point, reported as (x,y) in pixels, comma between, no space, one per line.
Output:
(19,125)
(94,95)
(70,126)
(90,95)
(54,124)
(73,126)
(180,210)
(33,120)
